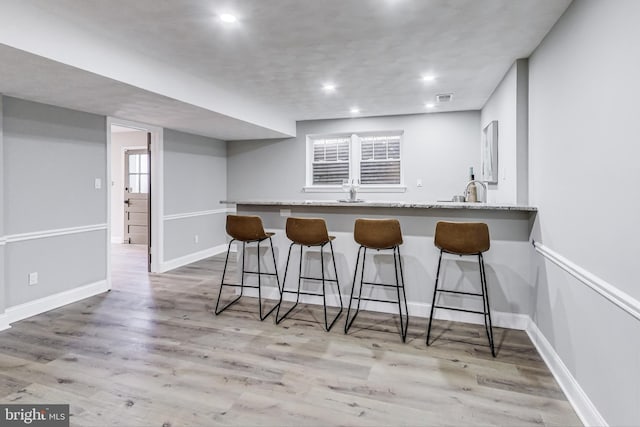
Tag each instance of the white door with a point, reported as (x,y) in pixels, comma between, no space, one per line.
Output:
(136,193)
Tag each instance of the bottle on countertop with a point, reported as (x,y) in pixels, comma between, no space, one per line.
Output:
(472,190)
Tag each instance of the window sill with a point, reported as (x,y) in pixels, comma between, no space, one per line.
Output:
(363,189)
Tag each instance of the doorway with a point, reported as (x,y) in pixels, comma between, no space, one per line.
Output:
(134,157)
(136,197)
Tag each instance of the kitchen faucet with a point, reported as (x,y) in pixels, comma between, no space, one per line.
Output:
(484,187)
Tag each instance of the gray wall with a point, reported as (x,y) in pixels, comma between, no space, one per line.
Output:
(437,148)
(584,152)
(195,180)
(51,158)
(2,254)
(508,104)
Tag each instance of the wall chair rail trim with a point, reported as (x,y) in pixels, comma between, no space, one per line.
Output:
(604,288)
(3,241)
(197,213)
(12,238)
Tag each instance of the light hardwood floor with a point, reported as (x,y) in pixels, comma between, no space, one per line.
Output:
(151,353)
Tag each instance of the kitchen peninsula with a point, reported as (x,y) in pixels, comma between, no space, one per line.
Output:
(508,262)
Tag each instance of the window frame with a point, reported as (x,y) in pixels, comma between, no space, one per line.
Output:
(354,163)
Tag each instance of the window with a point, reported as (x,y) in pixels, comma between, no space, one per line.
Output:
(372,158)
(380,160)
(330,160)
(138,172)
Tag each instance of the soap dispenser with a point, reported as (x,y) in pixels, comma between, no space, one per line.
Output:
(472,190)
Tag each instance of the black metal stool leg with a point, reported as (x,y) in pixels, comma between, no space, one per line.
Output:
(324,293)
(485,296)
(224,272)
(364,256)
(264,316)
(335,271)
(433,302)
(347,325)
(284,282)
(404,291)
(275,265)
(403,326)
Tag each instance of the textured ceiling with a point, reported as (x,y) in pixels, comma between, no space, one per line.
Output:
(282,51)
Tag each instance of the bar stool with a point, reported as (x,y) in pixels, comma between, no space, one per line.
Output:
(247,229)
(379,234)
(310,232)
(466,238)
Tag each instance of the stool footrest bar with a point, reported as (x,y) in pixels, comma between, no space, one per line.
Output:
(240,286)
(375,300)
(319,279)
(317,294)
(459,292)
(383,284)
(460,309)
(262,272)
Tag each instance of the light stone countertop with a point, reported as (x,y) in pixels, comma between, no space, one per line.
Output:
(386,204)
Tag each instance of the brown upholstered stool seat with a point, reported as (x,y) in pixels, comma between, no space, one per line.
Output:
(379,234)
(464,238)
(247,229)
(309,232)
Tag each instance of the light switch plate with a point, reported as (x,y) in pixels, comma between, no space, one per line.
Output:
(419,182)
(33,278)
(98,183)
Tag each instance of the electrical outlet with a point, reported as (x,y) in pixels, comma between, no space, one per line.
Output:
(196,239)
(33,278)
(285,212)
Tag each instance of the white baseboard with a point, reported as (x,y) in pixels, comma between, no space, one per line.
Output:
(586,410)
(4,322)
(193,257)
(32,308)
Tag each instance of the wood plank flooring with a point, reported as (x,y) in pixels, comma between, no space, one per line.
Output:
(151,353)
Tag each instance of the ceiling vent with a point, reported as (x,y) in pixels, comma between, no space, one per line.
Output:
(444,97)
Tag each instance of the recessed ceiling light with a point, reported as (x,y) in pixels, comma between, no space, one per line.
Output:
(355,110)
(329,87)
(228,18)
(428,78)
(430,105)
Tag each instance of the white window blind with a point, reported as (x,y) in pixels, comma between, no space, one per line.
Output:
(330,160)
(380,160)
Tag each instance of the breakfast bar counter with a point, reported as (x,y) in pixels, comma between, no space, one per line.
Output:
(508,262)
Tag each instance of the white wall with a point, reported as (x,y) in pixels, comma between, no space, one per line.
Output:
(507,104)
(584,152)
(437,148)
(120,141)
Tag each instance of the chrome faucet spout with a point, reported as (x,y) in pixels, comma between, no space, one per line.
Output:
(484,188)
